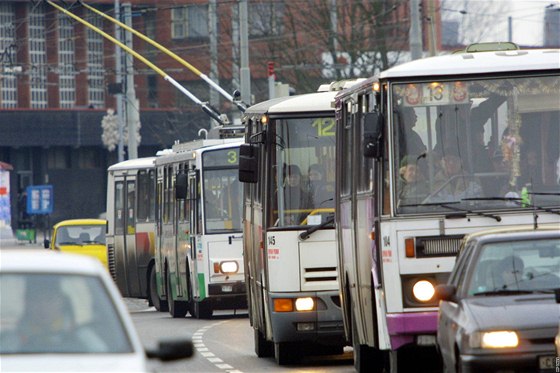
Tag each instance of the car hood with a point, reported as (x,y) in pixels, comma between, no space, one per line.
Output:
(73,363)
(524,312)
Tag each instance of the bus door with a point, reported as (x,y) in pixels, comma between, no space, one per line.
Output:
(125,229)
(194,230)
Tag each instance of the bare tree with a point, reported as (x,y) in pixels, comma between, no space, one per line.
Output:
(308,48)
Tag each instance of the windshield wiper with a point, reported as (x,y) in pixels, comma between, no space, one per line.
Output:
(554,210)
(455,216)
(505,292)
(305,235)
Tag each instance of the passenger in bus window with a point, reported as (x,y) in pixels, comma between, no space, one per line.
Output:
(297,200)
(413,187)
(410,141)
(321,191)
(452,183)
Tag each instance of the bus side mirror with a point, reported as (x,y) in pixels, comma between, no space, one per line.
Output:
(181,185)
(373,130)
(248,163)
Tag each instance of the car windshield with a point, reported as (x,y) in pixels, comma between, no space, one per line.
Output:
(526,265)
(80,235)
(58,313)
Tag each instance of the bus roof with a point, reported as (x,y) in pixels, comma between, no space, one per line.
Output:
(317,101)
(147,162)
(187,155)
(477,63)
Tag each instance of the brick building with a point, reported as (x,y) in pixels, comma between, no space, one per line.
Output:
(55,75)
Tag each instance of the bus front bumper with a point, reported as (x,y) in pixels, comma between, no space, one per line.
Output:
(323,325)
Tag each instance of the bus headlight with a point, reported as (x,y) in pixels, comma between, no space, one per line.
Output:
(229,267)
(305,304)
(494,339)
(423,290)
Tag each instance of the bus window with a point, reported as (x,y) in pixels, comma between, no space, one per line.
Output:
(131,207)
(119,208)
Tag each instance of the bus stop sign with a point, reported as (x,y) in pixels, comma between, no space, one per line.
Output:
(40,199)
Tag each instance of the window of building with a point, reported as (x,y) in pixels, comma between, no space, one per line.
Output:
(37,57)
(189,22)
(265,19)
(66,50)
(152,91)
(8,83)
(96,71)
(58,157)
(89,157)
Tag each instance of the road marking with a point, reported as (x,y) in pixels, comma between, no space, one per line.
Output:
(209,355)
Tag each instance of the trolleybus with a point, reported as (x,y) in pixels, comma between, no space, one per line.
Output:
(289,240)
(199,264)
(448,145)
(131,229)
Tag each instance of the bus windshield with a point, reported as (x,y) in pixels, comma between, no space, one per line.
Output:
(476,144)
(222,194)
(303,171)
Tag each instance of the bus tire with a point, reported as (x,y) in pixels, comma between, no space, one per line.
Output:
(366,358)
(202,310)
(263,348)
(285,353)
(177,308)
(153,297)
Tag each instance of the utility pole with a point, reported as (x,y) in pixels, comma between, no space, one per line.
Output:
(432,20)
(334,41)
(118,81)
(244,46)
(415,33)
(132,104)
(213,31)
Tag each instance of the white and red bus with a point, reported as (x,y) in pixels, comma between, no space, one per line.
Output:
(446,146)
(131,228)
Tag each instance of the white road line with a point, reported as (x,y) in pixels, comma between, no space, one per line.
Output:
(204,351)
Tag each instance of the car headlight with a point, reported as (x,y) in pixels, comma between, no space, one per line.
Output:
(494,339)
(423,290)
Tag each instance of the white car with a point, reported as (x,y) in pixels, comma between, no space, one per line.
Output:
(62,312)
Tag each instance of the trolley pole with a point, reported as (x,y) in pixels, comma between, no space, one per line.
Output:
(132,105)
(118,80)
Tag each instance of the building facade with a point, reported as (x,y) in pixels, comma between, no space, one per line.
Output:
(58,77)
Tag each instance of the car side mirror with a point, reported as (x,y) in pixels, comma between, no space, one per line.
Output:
(373,130)
(181,185)
(46,243)
(446,293)
(172,349)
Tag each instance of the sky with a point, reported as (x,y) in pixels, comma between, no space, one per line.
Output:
(487,20)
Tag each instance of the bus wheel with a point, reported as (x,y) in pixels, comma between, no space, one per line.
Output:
(263,348)
(202,310)
(153,296)
(366,358)
(176,308)
(285,353)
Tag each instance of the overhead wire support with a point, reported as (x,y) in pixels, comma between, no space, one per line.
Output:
(240,104)
(212,112)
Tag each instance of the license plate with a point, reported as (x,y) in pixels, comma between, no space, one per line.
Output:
(227,288)
(547,362)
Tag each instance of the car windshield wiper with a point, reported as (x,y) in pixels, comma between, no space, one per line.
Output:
(305,235)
